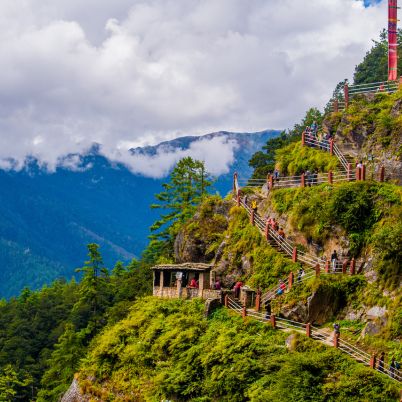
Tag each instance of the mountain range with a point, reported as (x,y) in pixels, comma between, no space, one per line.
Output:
(48,218)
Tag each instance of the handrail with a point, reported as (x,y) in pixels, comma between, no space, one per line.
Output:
(281,323)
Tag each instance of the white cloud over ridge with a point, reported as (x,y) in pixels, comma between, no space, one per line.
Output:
(129,73)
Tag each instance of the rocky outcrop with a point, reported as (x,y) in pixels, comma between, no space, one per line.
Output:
(193,243)
(321,306)
(74,394)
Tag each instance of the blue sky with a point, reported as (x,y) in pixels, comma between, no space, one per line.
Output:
(370,2)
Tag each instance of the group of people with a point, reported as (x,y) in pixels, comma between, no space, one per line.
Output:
(274,225)
(394,366)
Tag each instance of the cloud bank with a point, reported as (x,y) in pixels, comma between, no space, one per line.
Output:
(130,73)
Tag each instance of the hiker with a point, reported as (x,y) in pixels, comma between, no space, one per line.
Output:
(314,128)
(334,260)
(381,362)
(392,368)
(276,174)
(193,284)
(300,274)
(282,288)
(274,224)
(236,289)
(308,177)
(267,309)
(254,206)
(337,330)
(218,285)
(281,234)
(359,165)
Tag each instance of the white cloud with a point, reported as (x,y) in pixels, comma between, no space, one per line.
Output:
(217,153)
(137,72)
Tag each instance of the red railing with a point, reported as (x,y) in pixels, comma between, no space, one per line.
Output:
(318,334)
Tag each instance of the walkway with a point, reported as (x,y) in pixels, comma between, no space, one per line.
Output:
(321,335)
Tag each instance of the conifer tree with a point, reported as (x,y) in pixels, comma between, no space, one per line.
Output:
(93,289)
(187,186)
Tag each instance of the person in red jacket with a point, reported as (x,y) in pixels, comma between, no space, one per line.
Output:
(236,289)
(193,283)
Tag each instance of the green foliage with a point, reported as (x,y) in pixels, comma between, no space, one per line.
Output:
(245,241)
(168,350)
(11,383)
(366,211)
(187,186)
(94,294)
(295,159)
(206,229)
(263,161)
(43,334)
(374,67)
(377,119)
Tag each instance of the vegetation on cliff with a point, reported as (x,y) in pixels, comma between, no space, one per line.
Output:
(168,350)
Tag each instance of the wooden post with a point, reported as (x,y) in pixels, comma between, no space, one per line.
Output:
(352,266)
(317,270)
(267,230)
(330,177)
(373,360)
(363,173)
(335,104)
(294,254)
(358,175)
(258,301)
(303,180)
(252,217)
(344,266)
(331,146)
(271,182)
(291,280)
(336,340)
(346,95)
(273,320)
(244,312)
(349,170)
(303,138)
(238,198)
(226,300)
(308,330)
(327,264)
(382,174)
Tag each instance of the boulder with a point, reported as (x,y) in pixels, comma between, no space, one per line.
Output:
(324,304)
(291,342)
(371,328)
(376,312)
(297,312)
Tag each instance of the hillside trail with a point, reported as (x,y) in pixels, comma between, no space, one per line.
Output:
(319,265)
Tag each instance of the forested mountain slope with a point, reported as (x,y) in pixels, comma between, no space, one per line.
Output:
(48,218)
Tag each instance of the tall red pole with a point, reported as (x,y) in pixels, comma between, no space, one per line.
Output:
(392,40)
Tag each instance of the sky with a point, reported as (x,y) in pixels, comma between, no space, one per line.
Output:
(128,73)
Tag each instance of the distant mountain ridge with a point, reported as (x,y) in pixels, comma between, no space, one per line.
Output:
(46,219)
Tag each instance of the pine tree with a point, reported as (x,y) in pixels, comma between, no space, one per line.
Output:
(185,190)
(94,286)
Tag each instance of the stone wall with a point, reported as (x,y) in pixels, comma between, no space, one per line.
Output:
(186,293)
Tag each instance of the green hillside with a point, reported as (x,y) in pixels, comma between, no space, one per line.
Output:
(107,339)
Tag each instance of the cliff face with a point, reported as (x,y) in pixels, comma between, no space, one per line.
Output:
(371,130)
